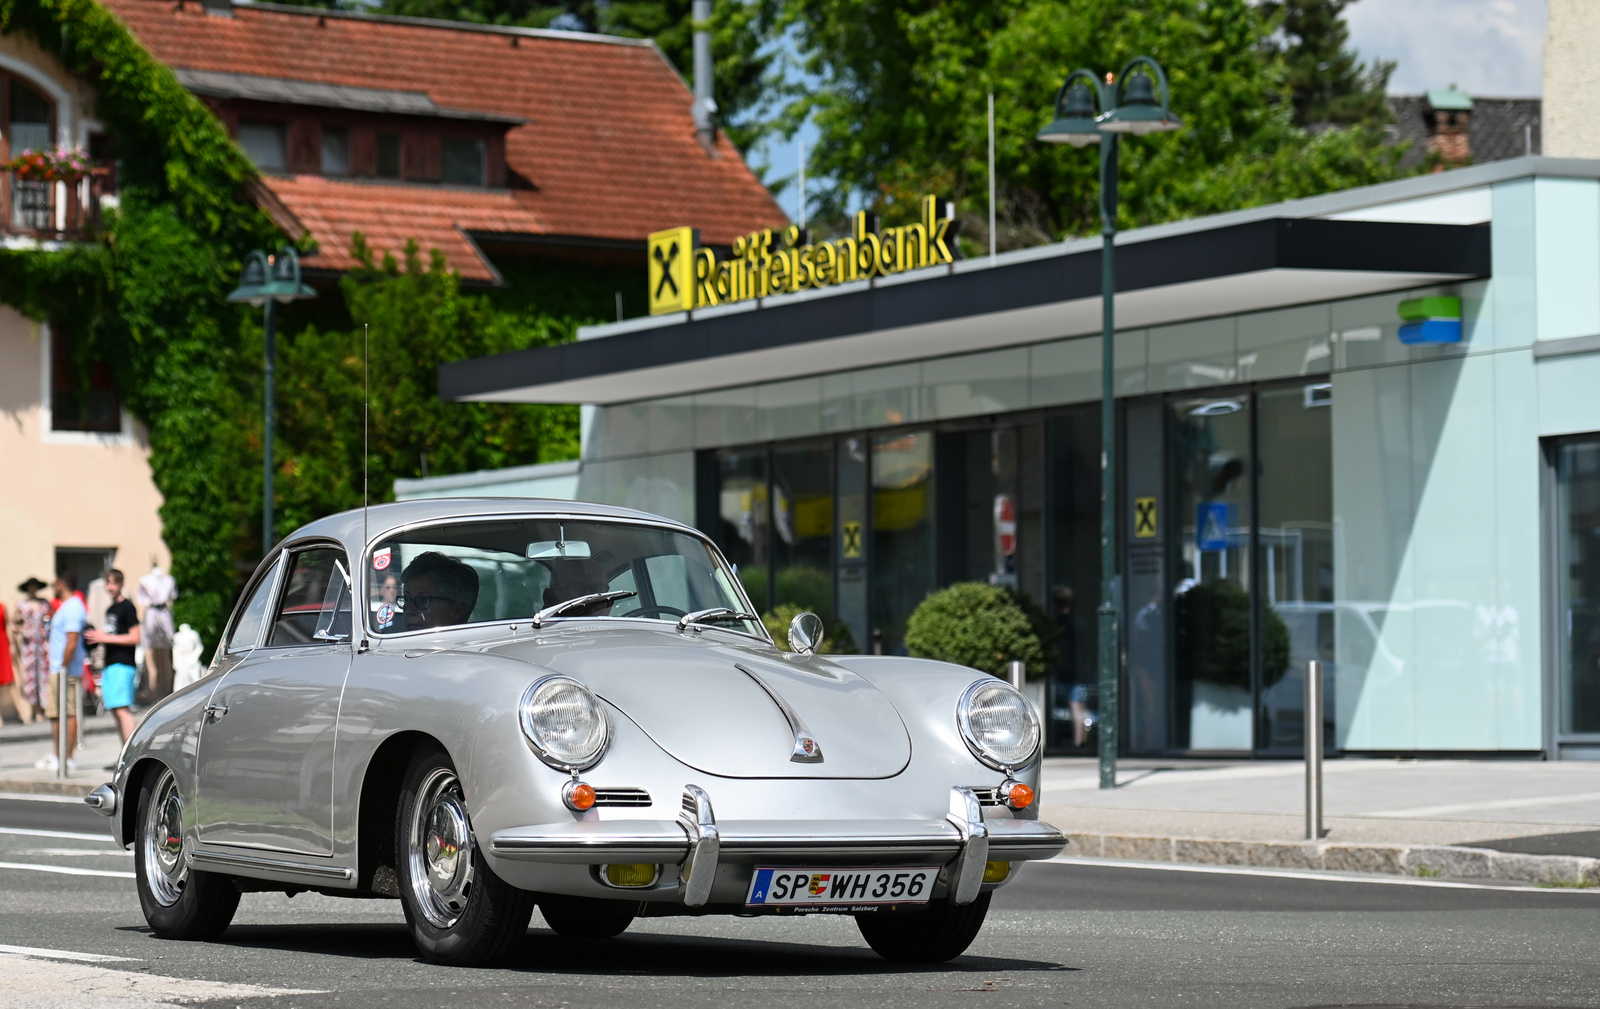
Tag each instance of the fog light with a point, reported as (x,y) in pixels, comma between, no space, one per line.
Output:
(578,796)
(1018,795)
(631,875)
(996,872)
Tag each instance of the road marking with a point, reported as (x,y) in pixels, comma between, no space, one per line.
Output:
(66,954)
(1324,876)
(41,797)
(67,870)
(1467,807)
(93,852)
(71,835)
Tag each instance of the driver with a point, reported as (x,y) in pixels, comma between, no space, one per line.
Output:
(440,591)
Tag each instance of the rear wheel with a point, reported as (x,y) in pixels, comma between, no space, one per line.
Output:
(587,917)
(178,902)
(459,911)
(942,932)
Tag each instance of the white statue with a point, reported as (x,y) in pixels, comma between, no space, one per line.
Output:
(186,650)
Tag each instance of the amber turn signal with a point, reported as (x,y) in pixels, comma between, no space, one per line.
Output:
(1019,796)
(578,796)
(996,872)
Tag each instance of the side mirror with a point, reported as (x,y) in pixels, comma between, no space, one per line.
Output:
(805,633)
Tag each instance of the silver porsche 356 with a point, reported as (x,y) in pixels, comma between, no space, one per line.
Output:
(487,705)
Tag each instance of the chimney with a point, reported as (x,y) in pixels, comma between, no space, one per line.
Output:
(705,106)
(219,8)
(1448,118)
(1571,87)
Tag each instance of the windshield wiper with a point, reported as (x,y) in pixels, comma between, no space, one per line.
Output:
(580,602)
(716,613)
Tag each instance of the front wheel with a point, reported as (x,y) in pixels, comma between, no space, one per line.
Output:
(942,932)
(178,902)
(459,911)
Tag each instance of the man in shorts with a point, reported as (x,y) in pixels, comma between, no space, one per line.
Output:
(67,656)
(121,637)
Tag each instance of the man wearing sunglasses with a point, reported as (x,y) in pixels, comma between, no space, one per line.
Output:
(440,591)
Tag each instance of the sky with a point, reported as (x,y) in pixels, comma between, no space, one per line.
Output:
(1487,47)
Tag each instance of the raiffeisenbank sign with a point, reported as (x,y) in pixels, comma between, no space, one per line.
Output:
(684,276)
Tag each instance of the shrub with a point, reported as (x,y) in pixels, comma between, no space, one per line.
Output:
(836,641)
(982,626)
(1214,637)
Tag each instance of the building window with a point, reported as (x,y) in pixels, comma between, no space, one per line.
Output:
(335,151)
(464,161)
(264,143)
(28,119)
(388,162)
(83,396)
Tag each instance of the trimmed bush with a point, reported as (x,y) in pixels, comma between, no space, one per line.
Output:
(837,639)
(982,626)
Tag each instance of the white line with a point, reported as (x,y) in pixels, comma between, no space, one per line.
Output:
(1324,876)
(66,870)
(66,954)
(41,797)
(1421,812)
(70,834)
(90,852)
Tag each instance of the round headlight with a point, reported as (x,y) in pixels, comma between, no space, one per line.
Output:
(998,724)
(564,723)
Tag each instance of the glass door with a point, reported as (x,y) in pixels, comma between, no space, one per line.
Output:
(1576,542)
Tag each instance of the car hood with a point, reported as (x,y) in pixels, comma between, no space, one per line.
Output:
(689,694)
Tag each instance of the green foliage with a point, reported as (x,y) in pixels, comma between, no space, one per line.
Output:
(900,107)
(741,30)
(418,318)
(1327,80)
(807,588)
(836,639)
(977,625)
(1214,637)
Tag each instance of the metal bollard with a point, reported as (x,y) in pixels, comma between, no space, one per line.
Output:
(63,686)
(1019,672)
(1313,736)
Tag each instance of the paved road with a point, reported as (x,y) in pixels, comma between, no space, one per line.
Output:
(1062,934)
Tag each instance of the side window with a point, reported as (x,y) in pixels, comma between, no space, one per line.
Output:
(247,632)
(316,604)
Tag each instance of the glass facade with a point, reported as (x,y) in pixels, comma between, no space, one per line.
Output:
(1577,580)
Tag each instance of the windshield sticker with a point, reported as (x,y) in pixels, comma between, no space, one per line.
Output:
(380,559)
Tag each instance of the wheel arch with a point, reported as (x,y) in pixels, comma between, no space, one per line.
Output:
(128,814)
(380,796)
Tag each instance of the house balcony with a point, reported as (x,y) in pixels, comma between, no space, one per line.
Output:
(40,211)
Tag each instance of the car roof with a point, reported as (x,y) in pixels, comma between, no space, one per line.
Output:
(381,519)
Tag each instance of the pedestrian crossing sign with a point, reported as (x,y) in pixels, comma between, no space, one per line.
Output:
(1212,526)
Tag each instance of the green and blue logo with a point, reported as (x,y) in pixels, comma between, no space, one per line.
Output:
(1430,320)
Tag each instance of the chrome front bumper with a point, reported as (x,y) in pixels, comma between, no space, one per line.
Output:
(962,842)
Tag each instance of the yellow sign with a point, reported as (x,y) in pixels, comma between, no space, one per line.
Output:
(852,540)
(671,270)
(768,262)
(1144,518)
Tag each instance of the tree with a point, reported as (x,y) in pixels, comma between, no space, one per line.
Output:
(901,110)
(1327,80)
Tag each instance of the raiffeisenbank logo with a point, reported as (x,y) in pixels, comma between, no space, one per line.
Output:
(683,275)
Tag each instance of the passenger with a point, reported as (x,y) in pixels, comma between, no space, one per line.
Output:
(440,591)
(386,608)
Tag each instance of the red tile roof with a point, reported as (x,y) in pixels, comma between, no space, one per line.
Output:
(609,142)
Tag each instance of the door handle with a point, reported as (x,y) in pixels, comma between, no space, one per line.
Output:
(216,711)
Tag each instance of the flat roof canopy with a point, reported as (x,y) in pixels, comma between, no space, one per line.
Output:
(1039,295)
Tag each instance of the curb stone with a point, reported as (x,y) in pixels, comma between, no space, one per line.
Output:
(1394,859)
(50,787)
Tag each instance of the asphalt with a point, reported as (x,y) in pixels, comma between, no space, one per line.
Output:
(1061,934)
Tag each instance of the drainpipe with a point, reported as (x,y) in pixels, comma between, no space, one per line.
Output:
(705,106)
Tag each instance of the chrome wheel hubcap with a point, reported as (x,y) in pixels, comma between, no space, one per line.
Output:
(165,869)
(439,850)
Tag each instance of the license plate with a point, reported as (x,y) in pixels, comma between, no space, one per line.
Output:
(836,887)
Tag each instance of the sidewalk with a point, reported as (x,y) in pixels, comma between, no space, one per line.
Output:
(21,745)
(1533,821)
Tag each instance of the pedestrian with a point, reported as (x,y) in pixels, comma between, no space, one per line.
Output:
(31,636)
(118,678)
(157,590)
(10,662)
(67,658)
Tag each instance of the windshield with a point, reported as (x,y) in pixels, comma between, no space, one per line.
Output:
(510,569)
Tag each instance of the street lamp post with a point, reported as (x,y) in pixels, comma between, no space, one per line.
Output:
(1127,104)
(267,280)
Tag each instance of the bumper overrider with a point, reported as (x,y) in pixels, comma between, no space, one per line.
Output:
(962,843)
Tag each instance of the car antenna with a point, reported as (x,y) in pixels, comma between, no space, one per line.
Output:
(366,397)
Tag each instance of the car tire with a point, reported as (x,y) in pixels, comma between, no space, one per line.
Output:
(178,903)
(459,912)
(587,917)
(942,932)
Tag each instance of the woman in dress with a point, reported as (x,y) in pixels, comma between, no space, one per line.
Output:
(30,635)
(8,678)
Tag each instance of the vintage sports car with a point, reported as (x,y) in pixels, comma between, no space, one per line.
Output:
(487,705)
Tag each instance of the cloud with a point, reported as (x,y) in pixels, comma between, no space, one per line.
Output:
(1488,47)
